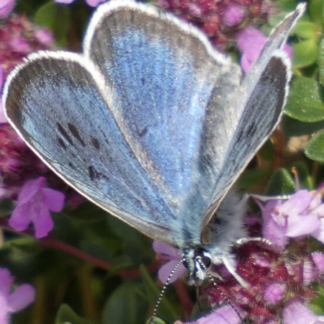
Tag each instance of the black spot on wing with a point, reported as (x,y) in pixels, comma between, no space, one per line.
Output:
(142,132)
(64,133)
(93,174)
(95,143)
(74,131)
(61,143)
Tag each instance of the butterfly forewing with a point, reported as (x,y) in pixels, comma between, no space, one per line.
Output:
(176,101)
(58,106)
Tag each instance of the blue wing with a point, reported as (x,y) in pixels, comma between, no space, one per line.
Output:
(59,105)
(148,123)
(175,101)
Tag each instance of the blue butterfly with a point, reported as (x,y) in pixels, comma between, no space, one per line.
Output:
(153,124)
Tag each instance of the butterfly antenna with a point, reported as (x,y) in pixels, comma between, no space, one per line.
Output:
(245,240)
(162,292)
(210,277)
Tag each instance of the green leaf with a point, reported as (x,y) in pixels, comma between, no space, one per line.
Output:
(281,182)
(315,147)
(166,309)
(303,175)
(293,127)
(66,315)
(317,304)
(55,17)
(87,212)
(266,151)
(305,100)
(156,320)
(321,62)
(305,53)
(305,30)
(124,306)
(250,178)
(6,206)
(316,10)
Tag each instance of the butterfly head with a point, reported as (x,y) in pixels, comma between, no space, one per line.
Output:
(197,261)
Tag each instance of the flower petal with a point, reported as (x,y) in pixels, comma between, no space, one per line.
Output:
(23,296)
(319,232)
(43,222)
(300,225)
(233,15)
(20,217)
(223,315)
(297,313)
(53,199)
(4,317)
(166,250)
(274,233)
(6,7)
(167,268)
(6,281)
(275,292)
(297,203)
(94,3)
(30,189)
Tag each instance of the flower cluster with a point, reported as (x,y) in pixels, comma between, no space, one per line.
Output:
(301,215)
(280,283)
(218,19)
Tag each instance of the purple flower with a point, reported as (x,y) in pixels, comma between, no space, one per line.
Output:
(270,229)
(92,3)
(295,312)
(275,292)
(233,15)
(3,119)
(223,315)
(251,41)
(301,215)
(12,302)
(44,36)
(34,205)
(166,252)
(6,7)
(318,259)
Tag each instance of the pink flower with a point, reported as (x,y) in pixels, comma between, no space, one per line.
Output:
(295,312)
(233,15)
(44,36)
(167,252)
(223,315)
(6,7)
(34,205)
(251,41)
(302,214)
(12,302)
(91,3)
(318,259)
(20,45)
(3,119)
(275,292)
(270,229)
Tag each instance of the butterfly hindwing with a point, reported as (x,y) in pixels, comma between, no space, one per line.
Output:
(263,94)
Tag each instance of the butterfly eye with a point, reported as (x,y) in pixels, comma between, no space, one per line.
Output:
(206,261)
